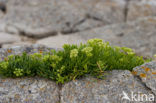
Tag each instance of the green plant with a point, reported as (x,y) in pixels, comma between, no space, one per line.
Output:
(93,58)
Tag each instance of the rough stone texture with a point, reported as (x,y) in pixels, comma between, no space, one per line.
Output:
(17,44)
(4,52)
(59,40)
(149,70)
(1,14)
(40,18)
(110,90)
(8,38)
(141,8)
(108,10)
(139,35)
(25,41)
(28,90)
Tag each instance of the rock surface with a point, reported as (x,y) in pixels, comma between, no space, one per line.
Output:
(28,90)
(40,18)
(139,35)
(60,40)
(20,49)
(17,44)
(109,90)
(141,8)
(8,38)
(147,73)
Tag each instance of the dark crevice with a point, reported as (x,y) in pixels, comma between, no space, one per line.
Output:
(80,22)
(33,36)
(120,35)
(126,9)
(69,31)
(0,46)
(60,89)
(3,7)
(88,16)
(73,30)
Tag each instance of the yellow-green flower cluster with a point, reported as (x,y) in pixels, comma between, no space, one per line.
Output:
(45,57)
(95,42)
(87,51)
(117,47)
(36,55)
(56,60)
(73,53)
(18,72)
(11,56)
(4,65)
(129,51)
(121,59)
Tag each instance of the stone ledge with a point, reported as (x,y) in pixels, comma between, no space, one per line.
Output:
(88,90)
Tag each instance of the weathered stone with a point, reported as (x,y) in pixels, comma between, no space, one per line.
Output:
(139,35)
(1,14)
(8,38)
(147,73)
(4,52)
(40,18)
(28,90)
(109,90)
(141,8)
(16,44)
(59,40)
(109,11)
(87,24)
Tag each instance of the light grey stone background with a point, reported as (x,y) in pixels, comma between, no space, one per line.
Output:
(130,23)
(52,23)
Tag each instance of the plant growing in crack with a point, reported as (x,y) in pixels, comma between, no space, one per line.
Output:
(93,58)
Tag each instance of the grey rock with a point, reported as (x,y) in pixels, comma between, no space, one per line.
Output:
(40,18)
(138,35)
(8,38)
(109,90)
(109,11)
(141,8)
(87,24)
(2,27)
(28,90)
(18,50)
(12,45)
(147,73)
(1,14)
(59,40)
(11,29)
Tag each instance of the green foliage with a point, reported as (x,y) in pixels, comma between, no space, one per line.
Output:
(93,58)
